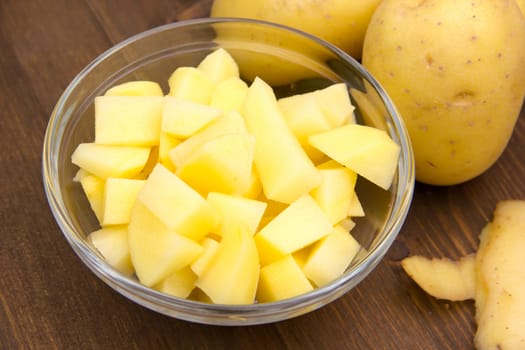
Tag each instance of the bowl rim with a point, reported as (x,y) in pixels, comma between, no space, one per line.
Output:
(241,313)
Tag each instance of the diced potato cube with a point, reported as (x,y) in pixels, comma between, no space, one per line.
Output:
(219,66)
(179,284)
(110,161)
(182,118)
(177,205)
(153,159)
(304,117)
(112,243)
(330,257)
(223,164)
(228,123)
(119,198)
(209,248)
(167,143)
(335,103)
(335,193)
(280,280)
(356,209)
(232,275)
(315,112)
(368,151)
(237,211)
(300,224)
(254,187)
(128,120)
(229,95)
(80,174)
(191,84)
(285,171)
(136,88)
(93,187)
(156,251)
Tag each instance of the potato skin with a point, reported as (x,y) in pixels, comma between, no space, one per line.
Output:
(443,278)
(500,280)
(455,71)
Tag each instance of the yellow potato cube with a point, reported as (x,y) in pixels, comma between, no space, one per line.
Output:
(156,251)
(228,123)
(356,209)
(304,117)
(368,151)
(232,274)
(182,118)
(80,174)
(280,280)
(93,187)
(223,164)
(110,161)
(128,120)
(317,111)
(285,171)
(219,66)
(300,224)
(229,95)
(330,257)
(119,198)
(237,211)
(254,188)
(150,163)
(179,284)
(177,205)
(191,84)
(166,144)
(335,103)
(136,88)
(335,193)
(209,248)
(112,243)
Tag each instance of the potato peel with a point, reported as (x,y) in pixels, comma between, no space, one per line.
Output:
(456,280)
(500,280)
(494,277)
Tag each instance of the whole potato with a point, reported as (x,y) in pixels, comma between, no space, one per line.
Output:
(455,70)
(341,22)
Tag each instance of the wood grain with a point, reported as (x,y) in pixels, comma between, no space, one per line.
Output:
(49,300)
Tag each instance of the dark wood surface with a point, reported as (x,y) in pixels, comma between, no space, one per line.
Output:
(49,300)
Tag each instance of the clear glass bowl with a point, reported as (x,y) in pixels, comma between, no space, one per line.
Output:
(288,59)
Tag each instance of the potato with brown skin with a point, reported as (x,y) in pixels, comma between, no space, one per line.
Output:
(341,22)
(455,71)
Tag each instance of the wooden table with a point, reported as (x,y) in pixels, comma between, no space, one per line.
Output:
(48,299)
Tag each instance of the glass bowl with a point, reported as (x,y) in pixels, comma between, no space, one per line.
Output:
(292,62)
